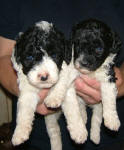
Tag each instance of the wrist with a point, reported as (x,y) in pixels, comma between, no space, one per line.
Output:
(120,82)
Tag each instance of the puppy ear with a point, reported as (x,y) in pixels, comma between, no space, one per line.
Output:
(19,47)
(117,43)
(17,54)
(16,65)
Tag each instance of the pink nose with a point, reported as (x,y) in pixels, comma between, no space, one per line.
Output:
(43,77)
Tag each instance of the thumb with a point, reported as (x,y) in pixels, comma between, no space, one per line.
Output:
(43,93)
(91,82)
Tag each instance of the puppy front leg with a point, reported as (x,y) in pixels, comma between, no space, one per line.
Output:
(26,107)
(96,121)
(109,94)
(82,107)
(53,130)
(57,94)
(71,110)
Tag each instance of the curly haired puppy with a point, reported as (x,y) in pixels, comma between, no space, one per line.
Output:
(38,58)
(95,50)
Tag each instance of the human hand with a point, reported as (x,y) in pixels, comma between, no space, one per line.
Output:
(119,73)
(41,108)
(89,89)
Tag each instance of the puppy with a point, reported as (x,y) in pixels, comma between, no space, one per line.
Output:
(95,50)
(39,59)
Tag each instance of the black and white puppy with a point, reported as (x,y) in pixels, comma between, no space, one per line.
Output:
(38,58)
(95,49)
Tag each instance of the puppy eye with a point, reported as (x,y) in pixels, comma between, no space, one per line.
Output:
(99,50)
(53,56)
(30,58)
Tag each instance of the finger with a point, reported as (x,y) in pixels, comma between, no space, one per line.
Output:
(84,88)
(88,100)
(91,82)
(118,76)
(43,110)
(119,82)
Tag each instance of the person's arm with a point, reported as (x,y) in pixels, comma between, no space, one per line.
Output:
(89,89)
(8,78)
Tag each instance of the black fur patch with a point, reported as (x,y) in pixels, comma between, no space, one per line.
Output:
(28,48)
(111,73)
(94,40)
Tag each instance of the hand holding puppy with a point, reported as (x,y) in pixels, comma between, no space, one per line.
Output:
(89,89)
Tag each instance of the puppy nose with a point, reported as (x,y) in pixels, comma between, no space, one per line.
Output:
(43,77)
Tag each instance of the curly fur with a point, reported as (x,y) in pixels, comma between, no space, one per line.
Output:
(39,59)
(33,41)
(95,50)
(95,47)
(43,59)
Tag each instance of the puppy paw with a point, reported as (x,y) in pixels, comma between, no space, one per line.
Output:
(17,140)
(79,135)
(95,137)
(56,143)
(20,136)
(53,102)
(112,122)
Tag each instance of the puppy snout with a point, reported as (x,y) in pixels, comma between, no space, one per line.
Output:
(87,62)
(43,77)
(83,63)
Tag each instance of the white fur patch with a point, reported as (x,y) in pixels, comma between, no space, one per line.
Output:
(44,25)
(47,66)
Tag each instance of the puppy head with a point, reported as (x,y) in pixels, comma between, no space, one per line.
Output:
(93,42)
(40,52)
